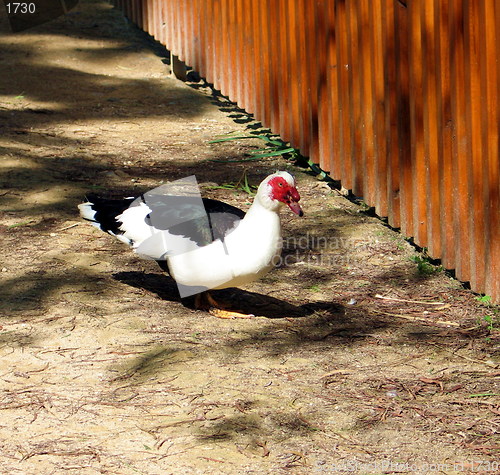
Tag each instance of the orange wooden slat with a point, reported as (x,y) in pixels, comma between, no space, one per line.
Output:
(217,42)
(311,64)
(378,92)
(283,74)
(430,120)
(344,94)
(460,149)
(293,67)
(300,39)
(148,15)
(326,89)
(206,44)
(445,127)
(230,63)
(197,16)
(273,64)
(357,104)
(391,112)
(492,50)
(403,113)
(418,157)
(353,153)
(155,18)
(475,220)
(187,34)
(252,74)
(366,153)
(223,52)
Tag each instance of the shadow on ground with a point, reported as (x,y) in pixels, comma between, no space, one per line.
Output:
(232,299)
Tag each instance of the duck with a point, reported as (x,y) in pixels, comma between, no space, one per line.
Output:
(204,244)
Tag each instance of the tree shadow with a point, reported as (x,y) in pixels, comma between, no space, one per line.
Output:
(33,290)
(233,299)
(48,92)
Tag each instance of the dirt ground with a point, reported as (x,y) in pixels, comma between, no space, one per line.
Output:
(360,361)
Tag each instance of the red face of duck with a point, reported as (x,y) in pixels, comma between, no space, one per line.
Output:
(286,193)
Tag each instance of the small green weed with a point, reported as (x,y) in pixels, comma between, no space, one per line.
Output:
(486,299)
(274,147)
(424,265)
(491,322)
(488,394)
(241,185)
(24,223)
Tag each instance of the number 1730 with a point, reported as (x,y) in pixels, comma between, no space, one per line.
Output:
(20,8)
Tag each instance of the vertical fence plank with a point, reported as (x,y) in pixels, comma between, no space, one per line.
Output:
(445,128)
(476,114)
(190,35)
(460,139)
(265,62)
(216,27)
(430,129)
(169,25)
(231,51)
(390,66)
(418,157)
(354,114)
(491,15)
(378,93)
(327,89)
(253,76)
(343,70)
(164,29)
(151,17)
(294,72)
(312,63)
(240,80)
(303,41)
(206,25)
(283,73)
(272,63)
(366,154)
(402,19)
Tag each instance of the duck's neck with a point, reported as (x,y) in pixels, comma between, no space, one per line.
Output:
(262,207)
(261,222)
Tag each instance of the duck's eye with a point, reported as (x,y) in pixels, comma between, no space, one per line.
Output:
(280,184)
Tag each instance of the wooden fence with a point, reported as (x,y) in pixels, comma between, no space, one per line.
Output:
(397,99)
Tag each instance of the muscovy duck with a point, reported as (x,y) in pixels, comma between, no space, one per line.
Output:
(223,247)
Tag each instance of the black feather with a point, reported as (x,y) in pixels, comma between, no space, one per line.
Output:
(204,228)
(107,210)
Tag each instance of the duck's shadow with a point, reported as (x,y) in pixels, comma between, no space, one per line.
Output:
(231,299)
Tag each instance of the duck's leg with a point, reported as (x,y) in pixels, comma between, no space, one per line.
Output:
(207,302)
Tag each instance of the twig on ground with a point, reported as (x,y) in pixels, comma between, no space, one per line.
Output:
(68,227)
(378,296)
(468,358)
(421,319)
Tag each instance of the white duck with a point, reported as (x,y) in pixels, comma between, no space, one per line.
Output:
(219,248)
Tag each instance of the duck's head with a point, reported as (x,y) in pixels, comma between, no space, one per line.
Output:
(278,189)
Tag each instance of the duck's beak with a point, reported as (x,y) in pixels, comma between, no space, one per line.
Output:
(293,202)
(295,207)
